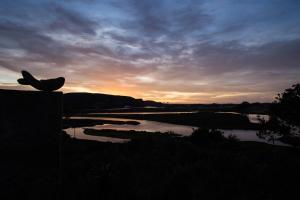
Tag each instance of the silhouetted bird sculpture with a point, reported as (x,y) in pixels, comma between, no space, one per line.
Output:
(44,85)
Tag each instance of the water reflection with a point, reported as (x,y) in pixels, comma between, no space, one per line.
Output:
(145,125)
(250,135)
(152,126)
(254,118)
(144,113)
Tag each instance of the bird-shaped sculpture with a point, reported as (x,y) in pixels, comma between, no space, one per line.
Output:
(43,85)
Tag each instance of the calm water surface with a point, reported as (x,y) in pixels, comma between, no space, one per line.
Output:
(145,125)
(252,117)
(144,113)
(152,126)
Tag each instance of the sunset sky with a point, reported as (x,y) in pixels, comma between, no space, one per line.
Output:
(179,51)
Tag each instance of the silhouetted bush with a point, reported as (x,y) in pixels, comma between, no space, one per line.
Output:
(205,136)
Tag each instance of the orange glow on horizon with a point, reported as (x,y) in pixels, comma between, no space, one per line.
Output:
(166,96)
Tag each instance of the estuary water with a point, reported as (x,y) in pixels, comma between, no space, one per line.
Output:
(153,126)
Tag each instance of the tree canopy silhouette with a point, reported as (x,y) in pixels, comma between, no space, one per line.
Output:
(285,117)
(287,105)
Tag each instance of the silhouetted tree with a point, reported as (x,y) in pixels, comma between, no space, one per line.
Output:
(287,105)
(285,115)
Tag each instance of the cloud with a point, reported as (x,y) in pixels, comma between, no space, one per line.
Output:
(71,21)
(183,51)
(173,20)
(36,46)
(231,56)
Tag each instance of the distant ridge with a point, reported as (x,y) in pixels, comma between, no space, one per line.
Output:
(80,102)
(97,102)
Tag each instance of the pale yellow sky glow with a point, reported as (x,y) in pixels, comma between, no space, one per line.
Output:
(147,87)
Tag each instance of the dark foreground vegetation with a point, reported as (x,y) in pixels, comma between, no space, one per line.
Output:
(124,134)
(204,165)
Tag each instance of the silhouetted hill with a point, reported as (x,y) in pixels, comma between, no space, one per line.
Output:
(80,102)
(96,102)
